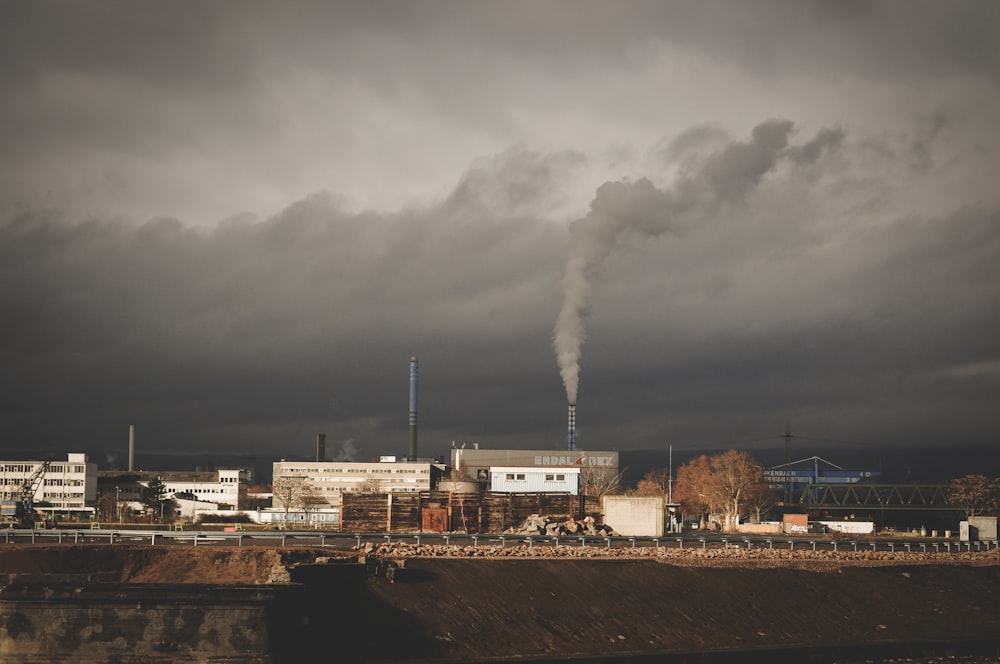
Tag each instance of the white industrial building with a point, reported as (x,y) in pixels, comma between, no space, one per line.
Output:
(66,488)
(325,481)
(529,479)
(221,487)
(475,463)
(216,489)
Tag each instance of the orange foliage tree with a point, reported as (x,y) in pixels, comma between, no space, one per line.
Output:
(976,494)
(654,483)
(725,484)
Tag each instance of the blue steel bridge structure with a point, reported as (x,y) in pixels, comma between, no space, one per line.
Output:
(815,483)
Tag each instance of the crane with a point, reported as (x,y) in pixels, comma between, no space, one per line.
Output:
(21,509)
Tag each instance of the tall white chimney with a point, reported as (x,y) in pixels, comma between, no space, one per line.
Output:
(131,447)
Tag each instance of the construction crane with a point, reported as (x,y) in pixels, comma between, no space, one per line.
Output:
(21,510)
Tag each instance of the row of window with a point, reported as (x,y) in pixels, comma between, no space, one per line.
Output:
(74,470)
(549,477)
(18,467)
(406,480)
(339,471)
(28,468)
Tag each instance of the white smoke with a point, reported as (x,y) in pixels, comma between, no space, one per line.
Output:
(641,207)
(346,451)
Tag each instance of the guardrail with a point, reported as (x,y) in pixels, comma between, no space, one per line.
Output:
(241,537)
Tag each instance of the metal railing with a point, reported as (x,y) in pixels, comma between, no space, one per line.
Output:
(245,537)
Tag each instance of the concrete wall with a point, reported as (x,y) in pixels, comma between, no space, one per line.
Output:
(773,528)
(850,527)
(634,516)
(980,528)
(61,620)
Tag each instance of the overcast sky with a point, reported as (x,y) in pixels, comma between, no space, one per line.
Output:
(231,224)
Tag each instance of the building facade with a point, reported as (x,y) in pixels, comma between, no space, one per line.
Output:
(67,488)
(534,479)
(596,467)
(221,488)
(325,481)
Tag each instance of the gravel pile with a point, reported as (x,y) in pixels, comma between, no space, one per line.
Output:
(717,555)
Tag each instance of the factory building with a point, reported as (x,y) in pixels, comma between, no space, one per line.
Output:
(221,488)
(61,488)
(325,481)
(475,463)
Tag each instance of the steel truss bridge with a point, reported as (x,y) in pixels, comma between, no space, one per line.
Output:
(897,497)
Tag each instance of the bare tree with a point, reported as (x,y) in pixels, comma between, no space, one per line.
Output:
(289,493)
(976,494)
(654,483)
(724,484)
(597,481)
(689,489)
(310,500)
(761,499)
(107,508)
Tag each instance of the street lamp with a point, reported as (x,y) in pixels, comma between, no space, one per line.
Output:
(118,503)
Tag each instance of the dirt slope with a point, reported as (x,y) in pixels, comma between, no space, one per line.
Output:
(156,564)
(502,608)
(445,604)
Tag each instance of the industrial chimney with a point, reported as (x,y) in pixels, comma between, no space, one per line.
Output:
(571,432)
(321,447)
(412,455)
(131,447)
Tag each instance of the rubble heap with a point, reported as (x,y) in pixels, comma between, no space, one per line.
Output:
(553,526)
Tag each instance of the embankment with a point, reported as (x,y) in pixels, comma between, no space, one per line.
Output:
(457,609)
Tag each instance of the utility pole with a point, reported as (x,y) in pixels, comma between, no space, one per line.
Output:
(670,475)
(670,485)
(788,461)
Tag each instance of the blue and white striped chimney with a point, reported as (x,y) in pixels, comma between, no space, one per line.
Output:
(412,456)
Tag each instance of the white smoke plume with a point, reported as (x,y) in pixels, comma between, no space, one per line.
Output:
(641,207)
(346,451)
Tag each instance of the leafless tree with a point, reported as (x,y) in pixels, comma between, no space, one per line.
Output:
(723,483)
(597,481)
(289,493)
(107,508)
(761,499)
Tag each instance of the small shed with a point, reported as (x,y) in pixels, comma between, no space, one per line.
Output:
(528,479)
(634,515)
(978,528)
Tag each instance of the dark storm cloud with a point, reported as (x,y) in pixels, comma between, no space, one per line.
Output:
(232,224)
(179,324)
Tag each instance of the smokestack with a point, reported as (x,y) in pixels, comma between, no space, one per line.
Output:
(571,432)
(412,456)
(321,447)
(131,447)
